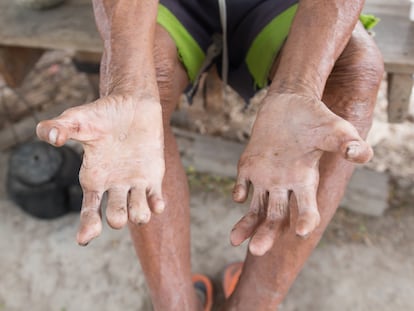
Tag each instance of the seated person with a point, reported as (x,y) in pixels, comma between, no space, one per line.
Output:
(322,70)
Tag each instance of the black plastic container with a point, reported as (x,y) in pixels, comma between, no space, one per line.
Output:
(43,180)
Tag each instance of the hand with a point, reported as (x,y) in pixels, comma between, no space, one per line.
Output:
(288,138)
(123,146)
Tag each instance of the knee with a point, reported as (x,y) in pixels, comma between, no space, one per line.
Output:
(355,80)
(164,71)
(171,79)
(362,63)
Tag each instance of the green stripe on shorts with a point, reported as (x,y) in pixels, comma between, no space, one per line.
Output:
(267,44)
(190,53)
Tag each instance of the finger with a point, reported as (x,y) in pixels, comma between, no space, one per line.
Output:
(358,152)
(267,232)
(244,228)
(156,201)
(344,139)
(57,131)
(278,204)
(241,190)
(248,224)
(308,214)
(116,210)
(90,217)
(138,209)
(264,237)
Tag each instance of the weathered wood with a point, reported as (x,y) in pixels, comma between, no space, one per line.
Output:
(399,92)
(394,36)
(367,192)
(16,63)
(70,26)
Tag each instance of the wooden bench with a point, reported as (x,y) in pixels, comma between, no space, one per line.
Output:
(25,33)
(395,38)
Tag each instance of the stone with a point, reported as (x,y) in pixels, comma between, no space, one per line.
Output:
(367,192)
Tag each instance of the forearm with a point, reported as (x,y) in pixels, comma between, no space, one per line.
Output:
(319,33)
(127,28)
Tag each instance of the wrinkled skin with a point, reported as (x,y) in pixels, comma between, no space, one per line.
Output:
(114,130)
(282,156)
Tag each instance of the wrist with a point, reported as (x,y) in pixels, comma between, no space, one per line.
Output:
(298,86)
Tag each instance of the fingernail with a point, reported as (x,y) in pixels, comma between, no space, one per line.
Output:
(53,135)
(303,236)
(144,218)
(159,207)
(353,150)
(83,244)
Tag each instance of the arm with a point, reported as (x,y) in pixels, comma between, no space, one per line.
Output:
(323,28)
(127,29)
(293,128)
(121,132)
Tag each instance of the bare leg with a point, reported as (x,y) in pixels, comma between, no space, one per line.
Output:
(350,93)
(163,245)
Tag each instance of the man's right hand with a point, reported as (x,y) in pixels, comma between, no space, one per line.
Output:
(123,143)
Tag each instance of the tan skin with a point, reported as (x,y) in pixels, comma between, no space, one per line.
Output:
(124,134)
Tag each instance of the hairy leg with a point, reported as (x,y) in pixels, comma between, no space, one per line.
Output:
(350,93)
(163,245)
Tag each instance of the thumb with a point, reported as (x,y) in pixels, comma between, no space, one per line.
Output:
(59,130)
(343,138)
(357,151)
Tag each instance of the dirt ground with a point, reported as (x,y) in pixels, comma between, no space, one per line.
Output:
(363,263)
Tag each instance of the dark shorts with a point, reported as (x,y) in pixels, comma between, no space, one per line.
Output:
(256,30)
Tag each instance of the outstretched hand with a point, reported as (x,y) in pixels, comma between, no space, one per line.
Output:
(123,146)
(289,136)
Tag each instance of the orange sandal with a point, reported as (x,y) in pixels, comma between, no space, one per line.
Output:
(204,289)
(231,276)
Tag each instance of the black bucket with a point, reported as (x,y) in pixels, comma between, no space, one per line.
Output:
(43,180)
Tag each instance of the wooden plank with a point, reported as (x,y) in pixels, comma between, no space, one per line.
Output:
(16,63)
(399,92)
(395,38)
(394,35)
(70,26)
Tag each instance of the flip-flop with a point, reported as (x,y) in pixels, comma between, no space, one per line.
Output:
(204,290)
(231,276)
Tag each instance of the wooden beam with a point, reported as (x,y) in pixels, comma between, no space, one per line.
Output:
(399,93)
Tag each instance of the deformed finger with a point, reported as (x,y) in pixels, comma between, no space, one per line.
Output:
(264,237)
(358,152)
(156,201)
(244,228)
(267,232)
(248,224)
(343,138)
(90,217)
(116,210)
(241,190)
(278,204)
(58,130)
(138,209)
(308,214)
